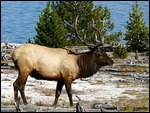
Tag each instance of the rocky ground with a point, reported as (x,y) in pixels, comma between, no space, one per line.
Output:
(126,87)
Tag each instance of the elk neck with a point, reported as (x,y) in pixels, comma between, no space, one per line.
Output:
(87,65)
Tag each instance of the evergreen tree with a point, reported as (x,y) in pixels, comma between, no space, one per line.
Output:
(68,10)
(49,30)
(29,41)
(120,52)
(137,34)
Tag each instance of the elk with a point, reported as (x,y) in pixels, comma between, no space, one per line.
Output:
(59,64)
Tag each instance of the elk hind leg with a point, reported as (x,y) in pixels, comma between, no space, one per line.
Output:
(19,84)
(15,86)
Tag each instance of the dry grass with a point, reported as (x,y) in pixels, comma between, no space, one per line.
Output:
(6,79)
(128,83)
(41,103)
(3,96)
(132,68)
(99,82)
(48,92)
(51,92)
(131,92)
(131,55)
(7,103)
(140,104)
(30,84)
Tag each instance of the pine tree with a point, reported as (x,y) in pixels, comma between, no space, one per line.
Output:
(29,41)
(49,30)
(137,33)
(86,11)
(120,52)
(68,10)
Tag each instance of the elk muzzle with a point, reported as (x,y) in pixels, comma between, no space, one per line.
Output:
(110,62)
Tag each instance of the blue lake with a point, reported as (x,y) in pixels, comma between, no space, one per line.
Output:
(19,18)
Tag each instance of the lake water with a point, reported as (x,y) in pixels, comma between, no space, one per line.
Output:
(19,18)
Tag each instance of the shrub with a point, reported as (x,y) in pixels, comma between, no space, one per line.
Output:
(120,52)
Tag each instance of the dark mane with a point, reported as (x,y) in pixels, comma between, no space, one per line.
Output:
(87,65)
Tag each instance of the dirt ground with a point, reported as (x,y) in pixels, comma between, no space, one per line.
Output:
(126,87)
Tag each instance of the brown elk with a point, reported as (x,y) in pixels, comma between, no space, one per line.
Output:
(58,64)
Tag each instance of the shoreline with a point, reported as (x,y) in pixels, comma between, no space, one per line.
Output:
(16,44)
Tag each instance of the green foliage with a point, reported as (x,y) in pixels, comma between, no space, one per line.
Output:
(116,37)
(120,52)
(68,10)
(50,31)
(137,33)
(29,41)
(53,32)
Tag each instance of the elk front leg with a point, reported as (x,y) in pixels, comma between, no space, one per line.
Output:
(59,86)
(69,91)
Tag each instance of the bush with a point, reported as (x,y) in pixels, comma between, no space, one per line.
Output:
(120,52)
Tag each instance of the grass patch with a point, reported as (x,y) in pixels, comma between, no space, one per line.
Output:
(99,82)
(51,92)
(6,103)
(141,95)
(140,104)
(6,79)
(129,68)
(3,96)
(27,97)
(130,92)
(48,92)
(116,66)
(128,83)
(77,92)
(30,85)
(40,103)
